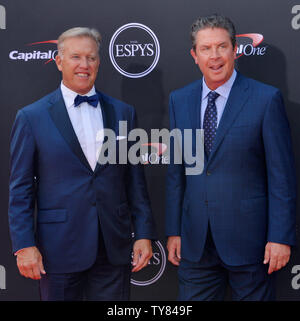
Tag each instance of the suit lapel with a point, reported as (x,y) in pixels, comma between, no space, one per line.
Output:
(237,98)
(60,117)
(108,113)
(109,121)
(194,107)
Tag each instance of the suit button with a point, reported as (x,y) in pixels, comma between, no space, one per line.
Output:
(208,173)
(94,204)
(206,203)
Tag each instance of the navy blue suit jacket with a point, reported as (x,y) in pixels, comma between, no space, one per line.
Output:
(50,172)
(247,190)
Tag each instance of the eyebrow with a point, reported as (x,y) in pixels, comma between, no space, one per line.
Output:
(78,54)
(209,44)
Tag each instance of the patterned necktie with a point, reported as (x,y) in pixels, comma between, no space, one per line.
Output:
(210,121)
(91,100)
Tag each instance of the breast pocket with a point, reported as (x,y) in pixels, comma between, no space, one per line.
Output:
(243,138)
(242,130)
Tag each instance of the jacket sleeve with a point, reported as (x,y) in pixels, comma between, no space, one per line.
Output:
(175,184)
(280,172)
(137,193)
(21,184)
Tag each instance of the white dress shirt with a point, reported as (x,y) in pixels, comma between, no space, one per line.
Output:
(223,91)
(87,122)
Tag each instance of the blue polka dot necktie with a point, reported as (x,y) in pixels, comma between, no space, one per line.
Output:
(210,121)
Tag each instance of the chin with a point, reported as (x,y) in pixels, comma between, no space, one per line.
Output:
(84,90)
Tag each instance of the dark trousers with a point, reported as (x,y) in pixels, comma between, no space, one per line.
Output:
(101,282)
(208,279)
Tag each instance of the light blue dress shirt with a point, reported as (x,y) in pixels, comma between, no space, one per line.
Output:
(223,91)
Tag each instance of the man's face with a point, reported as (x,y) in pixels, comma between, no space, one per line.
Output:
(79,64)
(214,55)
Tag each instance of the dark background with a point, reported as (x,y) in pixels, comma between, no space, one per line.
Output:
(24,82)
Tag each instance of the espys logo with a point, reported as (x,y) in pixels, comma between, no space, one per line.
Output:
(296,278)
(134,50)
(155,268)
(48,55)
(2,278)
(296,19)
(156,156)
(2,17)
(244,47)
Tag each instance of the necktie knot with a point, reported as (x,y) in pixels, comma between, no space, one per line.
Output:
(91,100)
(212,96)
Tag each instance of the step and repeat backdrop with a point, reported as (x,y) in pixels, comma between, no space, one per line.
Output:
(145,54)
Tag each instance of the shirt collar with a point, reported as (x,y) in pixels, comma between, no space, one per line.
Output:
(69,95)
(223,90)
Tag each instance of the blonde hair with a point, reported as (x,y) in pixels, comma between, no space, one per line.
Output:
(78,32)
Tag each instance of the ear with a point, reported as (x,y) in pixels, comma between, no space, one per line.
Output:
(194,55)
(58,62)
(234,51)
(99,62)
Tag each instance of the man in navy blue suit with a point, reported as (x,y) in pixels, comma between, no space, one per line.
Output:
(235,222)
(86,211)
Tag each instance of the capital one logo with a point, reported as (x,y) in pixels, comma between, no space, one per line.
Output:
(157,156)
(247,44)
(134,50)
(296,19)
(2,278)
(296,278)
(2,17)
(47,55)
(155,269)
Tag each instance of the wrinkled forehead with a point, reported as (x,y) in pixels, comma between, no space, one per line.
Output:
(213,34)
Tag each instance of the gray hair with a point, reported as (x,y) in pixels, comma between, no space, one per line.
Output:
(213,21)
(78,32)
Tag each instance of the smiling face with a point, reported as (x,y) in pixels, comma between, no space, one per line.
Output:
(214,55)
(79,64)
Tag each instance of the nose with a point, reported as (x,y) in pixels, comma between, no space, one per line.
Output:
(84,63)
(214,53)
